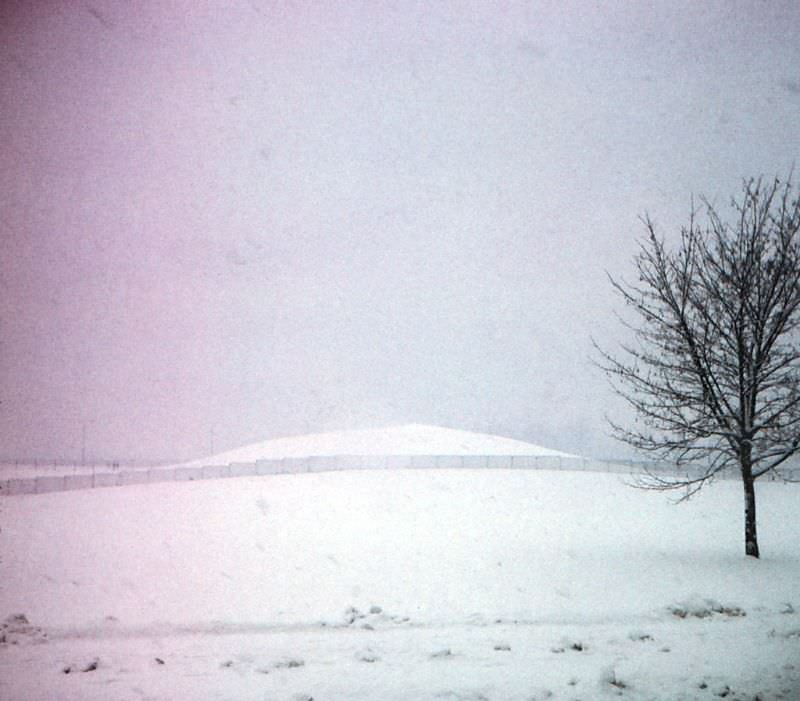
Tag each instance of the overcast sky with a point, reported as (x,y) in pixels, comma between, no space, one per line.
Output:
(233,221)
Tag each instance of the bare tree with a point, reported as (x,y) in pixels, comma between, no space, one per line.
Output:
(714,372)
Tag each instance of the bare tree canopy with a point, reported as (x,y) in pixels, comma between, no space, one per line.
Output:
(714,372)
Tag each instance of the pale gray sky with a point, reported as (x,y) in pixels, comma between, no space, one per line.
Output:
(266,218)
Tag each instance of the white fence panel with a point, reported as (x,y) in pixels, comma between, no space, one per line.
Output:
(49,483)
(242,469)
(208,472)
(21,486)
(267,467)
(398,462)
(186,474)
(133,477)
(475,461)
(160,475)
(349,462)
(78,482)
(106,479)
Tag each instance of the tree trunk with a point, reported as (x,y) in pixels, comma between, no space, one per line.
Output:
(750,535)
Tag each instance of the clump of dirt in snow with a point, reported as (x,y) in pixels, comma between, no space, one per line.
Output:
(639,636)
(442,654)
(567,644)
(285,663)
(611,678)
(465,695)
(288,663)
(704,608)
(90,666)
(788,633)
(17,630)
(372,618)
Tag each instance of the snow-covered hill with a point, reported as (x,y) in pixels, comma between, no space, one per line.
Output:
(412,439)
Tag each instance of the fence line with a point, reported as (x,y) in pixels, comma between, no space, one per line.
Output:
(99,476)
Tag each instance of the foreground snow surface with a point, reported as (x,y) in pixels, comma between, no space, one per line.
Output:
(459,584)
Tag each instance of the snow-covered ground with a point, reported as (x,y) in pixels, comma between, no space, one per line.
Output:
(471,584)
(441,584)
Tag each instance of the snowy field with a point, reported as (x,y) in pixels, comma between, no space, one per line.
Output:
(442,584)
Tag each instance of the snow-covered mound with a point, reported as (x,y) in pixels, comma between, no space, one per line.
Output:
(413,439)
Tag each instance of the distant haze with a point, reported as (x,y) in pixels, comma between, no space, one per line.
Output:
(227,222)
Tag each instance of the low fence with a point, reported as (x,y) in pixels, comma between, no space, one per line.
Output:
(112,476)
